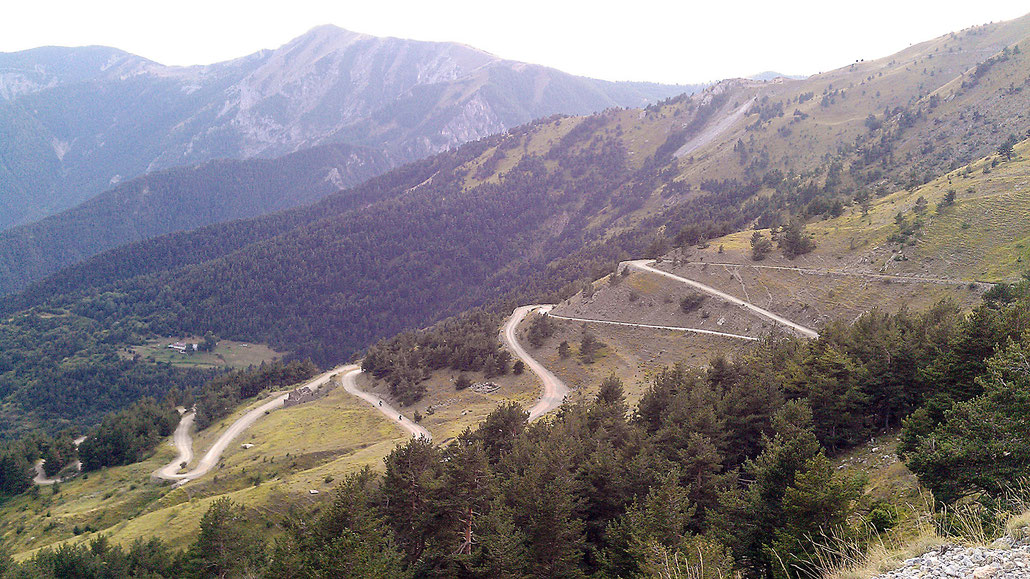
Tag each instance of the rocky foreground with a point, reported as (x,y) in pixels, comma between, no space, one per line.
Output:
(1002,560)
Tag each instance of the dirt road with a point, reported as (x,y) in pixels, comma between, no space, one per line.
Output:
(844,272)
(554,389)
(351,373)
(645,265)
(184,441)
(40,478)
(654,327)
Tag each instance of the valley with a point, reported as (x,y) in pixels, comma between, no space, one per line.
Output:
(774,328)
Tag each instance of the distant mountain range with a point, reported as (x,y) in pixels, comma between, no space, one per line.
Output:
(77,121)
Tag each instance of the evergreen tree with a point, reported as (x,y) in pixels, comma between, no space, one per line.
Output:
(467,475)
(979,446)
(563,350)
(411,494)
(588,347)
(541,488)
(503,553)
(795,240)
(223,547)
(758,511)
(760,246)
(500,429)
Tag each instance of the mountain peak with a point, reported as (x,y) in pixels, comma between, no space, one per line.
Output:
(331,33)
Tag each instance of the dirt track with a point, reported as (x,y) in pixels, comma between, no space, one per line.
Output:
(379,404)
(554,389)
(184,441)
(645,265)
(655,327)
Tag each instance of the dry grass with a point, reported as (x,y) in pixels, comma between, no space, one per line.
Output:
(447,412)
(298,449)
(847,559)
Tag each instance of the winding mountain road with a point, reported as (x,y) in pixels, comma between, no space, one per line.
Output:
(350,375)
(645,265)
(554,389)
(184,441)
(41,478)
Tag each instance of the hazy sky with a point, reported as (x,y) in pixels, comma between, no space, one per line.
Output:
(667,41)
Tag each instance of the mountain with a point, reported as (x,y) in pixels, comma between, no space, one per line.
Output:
(75,121)
(178,199)
(530,214)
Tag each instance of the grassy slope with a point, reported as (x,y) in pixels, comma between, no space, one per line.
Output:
(453,411)
(295,450)
(227,354)
(985,236)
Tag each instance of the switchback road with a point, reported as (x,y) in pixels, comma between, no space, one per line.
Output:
(645,265)
(554,389)
(184,441)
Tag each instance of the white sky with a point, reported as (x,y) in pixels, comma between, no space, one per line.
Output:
(666,41)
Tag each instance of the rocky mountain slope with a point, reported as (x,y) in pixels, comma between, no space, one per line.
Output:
(75,121)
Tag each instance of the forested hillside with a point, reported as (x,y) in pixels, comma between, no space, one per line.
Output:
(177,200)
(728,468)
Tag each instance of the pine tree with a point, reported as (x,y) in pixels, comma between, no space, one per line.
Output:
(564,351)
(411,493)
(500,429)
(542,490)
(795,240)
(758,511)
(223,546)
(760,246)
(816,506)
(503,553)
(467,476)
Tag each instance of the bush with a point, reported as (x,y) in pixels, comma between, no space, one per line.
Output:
(692,302)
(462,382)
(883,517)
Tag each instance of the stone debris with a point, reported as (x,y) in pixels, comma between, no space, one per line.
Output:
(1002,560)
(307,394)
(485,387)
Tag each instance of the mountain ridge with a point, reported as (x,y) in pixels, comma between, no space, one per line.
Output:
(76,121)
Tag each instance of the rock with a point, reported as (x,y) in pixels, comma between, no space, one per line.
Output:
(1002,560)
(985,572)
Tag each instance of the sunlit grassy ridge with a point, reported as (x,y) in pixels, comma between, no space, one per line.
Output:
(296,450)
